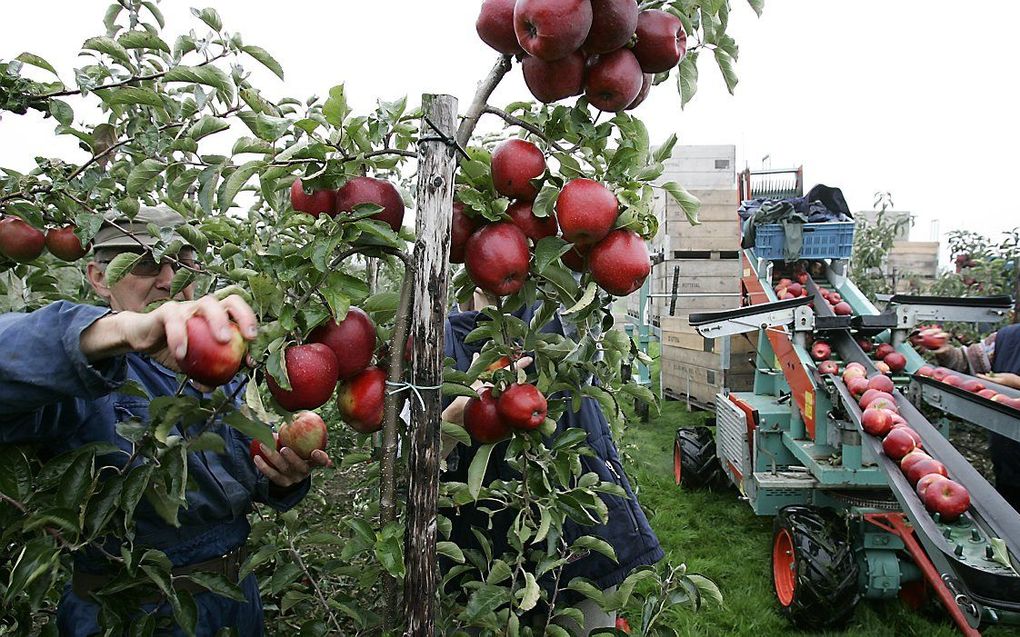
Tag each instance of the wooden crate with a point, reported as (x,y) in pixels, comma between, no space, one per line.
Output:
(673,359)
(919,258)
(691,340)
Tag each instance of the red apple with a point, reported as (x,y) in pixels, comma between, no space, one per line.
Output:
(925,370)
(972,385)
(932,338)
(795,289)
(897,362)
(842,309)
(360,400)
(784,283)
(522,406)
(586,211)
(866,345)
(940,373)
(255,449)
(923,467)
(515,163)
(881,383)
(821,351)
(63,244)
(367,190)
(868,395)
(314,203)
(207,360)
(495,26)
(802,278)
(884,402)
(612,26)
(948,498)
(1010,402)
(620,263)
(312,370)
(988,393)
(911,458)
(898,443)
(304,434)
(554,80)
(882,367)
(352,340)
(835,298)
(876,422)
(661,41)
(614,81)
(646,88)
(857,386)
(828,367)
(852,372)
(497,257)
(20,241)
(856,365)
(461,227)
(953,380)
(927,481)
(552,29)
(482,421)
(623,625)
(897,419)
(535,228)
(883,350)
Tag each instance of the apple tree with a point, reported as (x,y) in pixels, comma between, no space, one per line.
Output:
(298,205)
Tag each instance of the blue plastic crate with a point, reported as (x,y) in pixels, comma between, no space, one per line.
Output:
(832,240)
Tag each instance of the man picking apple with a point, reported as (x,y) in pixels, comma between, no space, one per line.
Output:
(996,358)
(60,370)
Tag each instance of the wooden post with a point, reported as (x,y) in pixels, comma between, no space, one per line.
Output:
(437,161)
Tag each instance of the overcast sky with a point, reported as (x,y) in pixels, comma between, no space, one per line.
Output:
(914,97)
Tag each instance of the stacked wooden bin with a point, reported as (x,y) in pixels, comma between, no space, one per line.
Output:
(703,262)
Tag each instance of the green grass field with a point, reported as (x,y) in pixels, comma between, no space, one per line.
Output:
(718,536)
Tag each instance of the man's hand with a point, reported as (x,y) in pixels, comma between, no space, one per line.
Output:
(162,333)
(1009,380)
(287,467)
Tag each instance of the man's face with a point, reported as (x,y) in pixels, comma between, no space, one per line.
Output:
(147,282)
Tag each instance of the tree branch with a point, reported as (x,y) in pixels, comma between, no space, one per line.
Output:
(130,80)
(485,89)
(531,128)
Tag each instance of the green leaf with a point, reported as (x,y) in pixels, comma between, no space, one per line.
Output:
(271,128)
(335,110)
(110,19)
(586,299)
(665,151)
(530,594)
(134,488)
(251,428)
(182,279)
(121,265)
(688,202)
(264,58)
(206,126)
(549,250)
(569,438)
(208,441)
(458,389)
(130,95)
(142,177)
(592,543)
(110,47)
(236,181)
(457,432)
(143,40)
(207,75)
(251,145)
(15,473)
(195,237)
(545,201)
(476,472)
(219,584)
(486,600)
(707,588)
(61,111)
(725,62)
(587,589)
(687,78)
(450,550)
(757,5)
(35,60)
(76,481)
(210,17)
(156,13)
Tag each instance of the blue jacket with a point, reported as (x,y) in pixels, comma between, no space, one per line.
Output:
(627,531)
(51,394)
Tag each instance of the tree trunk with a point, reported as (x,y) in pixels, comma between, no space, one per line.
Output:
(436,166)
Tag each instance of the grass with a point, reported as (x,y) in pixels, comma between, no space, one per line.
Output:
(717,535)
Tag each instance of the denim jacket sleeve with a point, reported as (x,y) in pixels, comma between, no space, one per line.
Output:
(42,365)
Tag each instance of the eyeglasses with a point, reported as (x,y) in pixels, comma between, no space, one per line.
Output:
(147,266)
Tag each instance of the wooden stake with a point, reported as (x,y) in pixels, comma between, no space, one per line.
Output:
(437,161)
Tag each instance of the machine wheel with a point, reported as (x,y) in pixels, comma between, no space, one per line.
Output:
(694,462)
(814,571)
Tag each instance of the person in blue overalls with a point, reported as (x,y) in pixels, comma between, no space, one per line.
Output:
(60,370)
(627,530)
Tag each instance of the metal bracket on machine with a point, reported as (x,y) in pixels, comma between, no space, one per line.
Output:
(755,317)
(912,310)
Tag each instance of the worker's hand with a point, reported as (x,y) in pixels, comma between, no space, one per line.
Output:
(454,412)
(162,334)
(285,468)
(1009,380)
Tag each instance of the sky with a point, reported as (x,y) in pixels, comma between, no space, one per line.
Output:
(913,97)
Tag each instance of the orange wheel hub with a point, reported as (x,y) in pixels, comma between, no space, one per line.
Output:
(784,575)
(677,465)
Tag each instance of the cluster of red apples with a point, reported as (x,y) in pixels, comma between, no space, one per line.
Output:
(930,337)
(887,359)
(21,242)
(881,417)
(497,255)
(493,416)
(356,191)
(973,385)
(608,50)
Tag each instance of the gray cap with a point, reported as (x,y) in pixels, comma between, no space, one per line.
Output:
(110,236)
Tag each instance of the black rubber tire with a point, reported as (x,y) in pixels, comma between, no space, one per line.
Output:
(694,449)
(826,590)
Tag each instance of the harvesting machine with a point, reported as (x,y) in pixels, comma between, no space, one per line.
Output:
(847,523)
